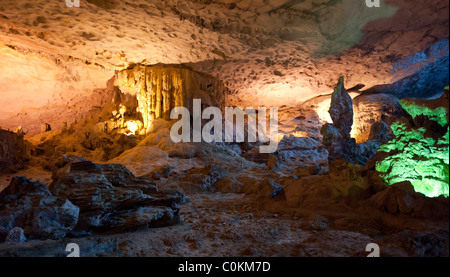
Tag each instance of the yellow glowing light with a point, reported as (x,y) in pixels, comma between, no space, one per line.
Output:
(322,111)
(133,126)
(280,137)
(300,134)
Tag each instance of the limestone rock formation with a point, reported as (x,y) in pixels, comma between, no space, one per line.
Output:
(30,206)
(423,74)
(301,152)
(372,108)
(337,136)
(341,109)
(159,89)
(112,200)
(14,151)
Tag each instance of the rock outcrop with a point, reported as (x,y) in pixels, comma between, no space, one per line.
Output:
(30,205)
(341,109)
(14,151)
(401,198)
(423,74)
(301,152)
(111,199)
(337,136)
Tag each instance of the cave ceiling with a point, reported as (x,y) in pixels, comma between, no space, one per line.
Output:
(54,59)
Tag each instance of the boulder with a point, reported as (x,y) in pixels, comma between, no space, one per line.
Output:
(401,198)
(30,205)
(301,152)
(16,236)
(111,199)
(202,179)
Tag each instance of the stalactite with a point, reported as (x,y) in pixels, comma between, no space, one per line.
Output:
(159,89)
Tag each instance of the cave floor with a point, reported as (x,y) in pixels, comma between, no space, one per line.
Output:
(232,225)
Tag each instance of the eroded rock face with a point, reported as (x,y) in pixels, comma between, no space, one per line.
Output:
(112,200)
(14,151)
(373,108)
(159,89)
(30,206)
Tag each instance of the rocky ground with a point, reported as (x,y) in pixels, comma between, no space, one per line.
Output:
(217,224)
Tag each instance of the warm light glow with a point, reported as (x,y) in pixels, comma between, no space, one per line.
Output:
(300,134)
(133,126)
(280,137)
(322,111)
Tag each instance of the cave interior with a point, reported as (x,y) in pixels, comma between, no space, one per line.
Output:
(224,128)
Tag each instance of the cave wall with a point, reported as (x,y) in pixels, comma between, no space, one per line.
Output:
(159,89)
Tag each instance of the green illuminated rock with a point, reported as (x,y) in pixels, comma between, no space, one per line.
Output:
(421,160)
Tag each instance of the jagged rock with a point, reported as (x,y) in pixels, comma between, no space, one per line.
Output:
(341,109)
(421,75)
(336,136)
(30,206)
(260,189)
(202,179)
(112,200)
(277,188)
(274,164)
(14,151)
(330,134)
(162,172)
(254,155)
(301,152)
(308,171)
(379,132)
(402,199)
(16,236)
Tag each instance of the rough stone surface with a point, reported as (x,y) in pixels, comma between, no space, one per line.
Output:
(16,236)
(30,206)
(401,199)
(426,73)
(112,200)
(293,151)
(341,109)
(14,151)
(373,108)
